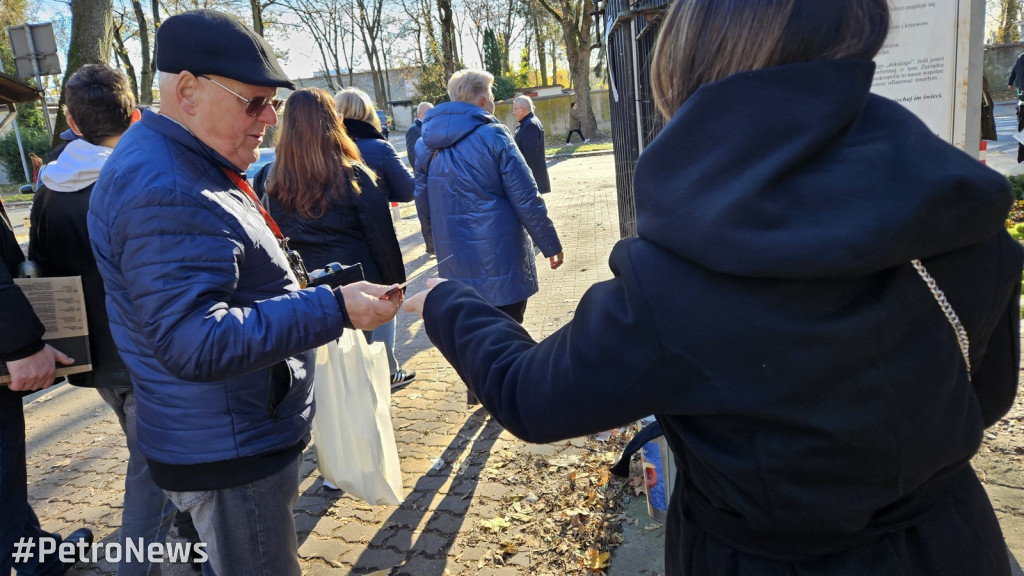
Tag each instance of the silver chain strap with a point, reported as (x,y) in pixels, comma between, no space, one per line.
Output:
(947,309)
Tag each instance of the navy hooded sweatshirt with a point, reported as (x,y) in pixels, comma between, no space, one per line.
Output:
(812,390)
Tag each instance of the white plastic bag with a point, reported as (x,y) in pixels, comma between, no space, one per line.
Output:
(355,443)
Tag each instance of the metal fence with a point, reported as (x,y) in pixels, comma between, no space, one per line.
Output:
(629,29)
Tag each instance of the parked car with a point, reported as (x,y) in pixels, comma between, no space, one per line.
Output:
(266,157)
(383,123)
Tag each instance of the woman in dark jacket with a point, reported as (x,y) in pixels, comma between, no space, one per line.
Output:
(324,198)
(774,314)
(394,181)
(363,125)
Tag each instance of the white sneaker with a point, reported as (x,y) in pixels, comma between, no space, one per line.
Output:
(586,141)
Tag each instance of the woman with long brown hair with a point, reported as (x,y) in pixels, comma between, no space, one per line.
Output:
(810,261)
(324,198)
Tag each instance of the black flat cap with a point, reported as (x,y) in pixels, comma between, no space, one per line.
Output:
(212,42)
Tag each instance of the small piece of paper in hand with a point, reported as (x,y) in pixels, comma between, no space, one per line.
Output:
(413,277)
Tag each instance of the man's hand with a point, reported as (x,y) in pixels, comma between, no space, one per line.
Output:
(415,304)
(556,260)
(366,310)
(36,371)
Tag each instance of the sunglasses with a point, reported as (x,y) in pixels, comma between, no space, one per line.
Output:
(253,106)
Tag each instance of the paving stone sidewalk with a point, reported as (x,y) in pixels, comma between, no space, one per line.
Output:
(452,478)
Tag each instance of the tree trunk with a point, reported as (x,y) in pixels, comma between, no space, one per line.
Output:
(1008,17)
(257,16)
(126,61)
(448,52)
(92,37)
(147,69)
(542,57)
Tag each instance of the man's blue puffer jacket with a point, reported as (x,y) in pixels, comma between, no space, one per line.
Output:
(477,199)
(203,306)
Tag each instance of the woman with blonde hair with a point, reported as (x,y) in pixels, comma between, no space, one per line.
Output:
(324,198)
(822,310)
(394,181)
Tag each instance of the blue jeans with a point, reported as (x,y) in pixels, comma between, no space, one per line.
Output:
(147,512)
(386,333)
(17,519)
(248,529)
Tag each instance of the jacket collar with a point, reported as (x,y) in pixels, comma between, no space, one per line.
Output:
(360,129)
(176,132)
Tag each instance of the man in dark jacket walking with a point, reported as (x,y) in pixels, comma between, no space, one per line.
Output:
(205,300)
(530,139)
(30,363)
(100,108)
(413,135)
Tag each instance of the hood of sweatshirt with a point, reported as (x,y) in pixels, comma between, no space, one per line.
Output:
(77,167)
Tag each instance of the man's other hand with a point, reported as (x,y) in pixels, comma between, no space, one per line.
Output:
(36,371)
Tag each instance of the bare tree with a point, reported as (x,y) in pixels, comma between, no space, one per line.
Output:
(576,25)
(421,23)
(124,30)
(328,23)
(367,18)
(449,53)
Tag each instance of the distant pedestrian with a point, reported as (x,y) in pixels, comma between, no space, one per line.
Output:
(413,135)
(37,163)
(530,139)
(789,320)
(1016,82)
(575,125)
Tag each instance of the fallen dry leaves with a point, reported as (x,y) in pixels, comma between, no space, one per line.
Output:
(567,504)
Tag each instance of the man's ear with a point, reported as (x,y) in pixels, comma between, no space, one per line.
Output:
(136,116)
(72,125)
(185,92)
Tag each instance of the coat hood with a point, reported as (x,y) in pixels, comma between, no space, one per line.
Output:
(447,123)
(77,167)
(806,181)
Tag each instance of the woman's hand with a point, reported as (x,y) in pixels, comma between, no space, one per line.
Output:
(415,304)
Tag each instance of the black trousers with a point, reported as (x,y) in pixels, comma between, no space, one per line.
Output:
(1020,126)
(568,137)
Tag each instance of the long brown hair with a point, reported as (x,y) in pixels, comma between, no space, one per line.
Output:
(703,41)
(315,155)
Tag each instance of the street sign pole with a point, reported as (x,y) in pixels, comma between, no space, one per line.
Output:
(35,56)
(17,136)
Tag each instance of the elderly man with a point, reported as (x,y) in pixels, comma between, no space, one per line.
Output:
(413,135)
(203,297)
(477,201)
(530,139)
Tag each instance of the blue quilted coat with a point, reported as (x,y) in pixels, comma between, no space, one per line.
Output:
(203,306)
(477,199)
